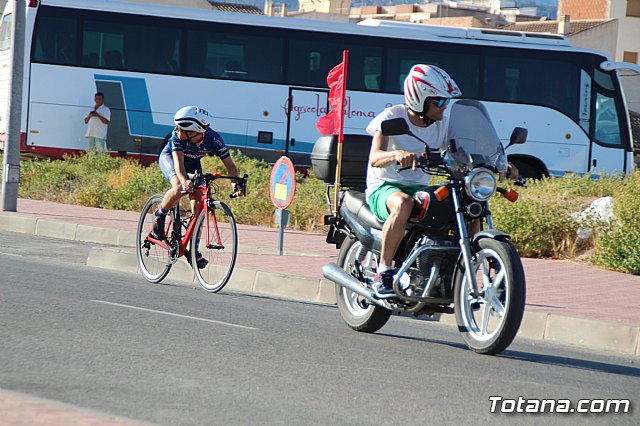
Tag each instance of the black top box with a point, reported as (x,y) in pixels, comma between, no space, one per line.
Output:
(355,157)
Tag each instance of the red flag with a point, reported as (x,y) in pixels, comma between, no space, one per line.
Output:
(333,122)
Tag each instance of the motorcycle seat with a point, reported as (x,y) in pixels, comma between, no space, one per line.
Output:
(356,203)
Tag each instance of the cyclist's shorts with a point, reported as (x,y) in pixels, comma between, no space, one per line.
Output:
(377,200)
(165,161)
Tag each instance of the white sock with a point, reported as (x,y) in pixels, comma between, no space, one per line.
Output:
(383,268)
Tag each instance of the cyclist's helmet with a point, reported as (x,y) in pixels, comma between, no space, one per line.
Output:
(428,81)
(192,119)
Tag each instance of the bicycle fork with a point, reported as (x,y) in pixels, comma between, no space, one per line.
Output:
(219,245)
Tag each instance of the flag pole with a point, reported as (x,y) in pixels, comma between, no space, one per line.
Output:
(336,195)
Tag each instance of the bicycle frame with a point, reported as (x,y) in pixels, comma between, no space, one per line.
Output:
(202,205)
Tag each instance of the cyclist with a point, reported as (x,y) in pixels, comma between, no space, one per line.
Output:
(191,140)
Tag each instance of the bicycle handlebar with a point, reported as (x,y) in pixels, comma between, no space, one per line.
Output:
(208,178)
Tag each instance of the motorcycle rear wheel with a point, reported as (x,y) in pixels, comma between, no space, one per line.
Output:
(489,323)
(353,308)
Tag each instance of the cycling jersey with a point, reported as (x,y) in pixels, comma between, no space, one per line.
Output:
(212,145)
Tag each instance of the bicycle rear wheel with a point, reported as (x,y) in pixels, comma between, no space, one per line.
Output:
(153,260)
(218,245)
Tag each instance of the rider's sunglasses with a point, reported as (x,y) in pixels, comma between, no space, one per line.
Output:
(440,102)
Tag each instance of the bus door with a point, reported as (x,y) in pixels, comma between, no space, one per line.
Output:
(304,108)
(610,138)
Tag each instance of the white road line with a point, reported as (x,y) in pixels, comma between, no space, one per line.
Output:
(174,315)
(10,254)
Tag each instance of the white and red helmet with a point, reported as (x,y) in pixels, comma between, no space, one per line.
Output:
(428,81)
(192,118)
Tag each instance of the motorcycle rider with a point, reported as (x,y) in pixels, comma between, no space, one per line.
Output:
(390,195)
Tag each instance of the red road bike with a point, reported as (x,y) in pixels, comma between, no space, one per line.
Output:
(211,230)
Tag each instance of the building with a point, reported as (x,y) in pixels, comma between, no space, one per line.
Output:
(627,12)
(432,14)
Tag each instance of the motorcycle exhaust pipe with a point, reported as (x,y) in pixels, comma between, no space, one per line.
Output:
(332,272)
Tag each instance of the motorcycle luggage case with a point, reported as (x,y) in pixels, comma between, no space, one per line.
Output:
(355,156)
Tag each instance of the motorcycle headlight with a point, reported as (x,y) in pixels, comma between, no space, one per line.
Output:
(480,184)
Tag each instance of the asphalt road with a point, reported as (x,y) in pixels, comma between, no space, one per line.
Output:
(174,354)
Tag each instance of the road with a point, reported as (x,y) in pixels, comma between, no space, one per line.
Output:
(174,354)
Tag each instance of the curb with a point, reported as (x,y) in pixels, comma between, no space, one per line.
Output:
(582,332)
(306,289)
(93,234)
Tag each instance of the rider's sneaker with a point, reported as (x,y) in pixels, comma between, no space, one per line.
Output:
(383,282)
(158,229)
(200,260)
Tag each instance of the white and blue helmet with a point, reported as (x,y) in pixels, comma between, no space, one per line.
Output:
(192,119)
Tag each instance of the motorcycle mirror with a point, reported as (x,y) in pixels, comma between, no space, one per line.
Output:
(518,136)
(395,126)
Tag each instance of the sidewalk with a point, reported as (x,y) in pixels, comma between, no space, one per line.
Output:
(567,302)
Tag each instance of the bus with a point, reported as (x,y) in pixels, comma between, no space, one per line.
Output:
(264,80)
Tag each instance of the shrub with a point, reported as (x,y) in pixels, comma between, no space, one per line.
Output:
(540,222)
(619,247)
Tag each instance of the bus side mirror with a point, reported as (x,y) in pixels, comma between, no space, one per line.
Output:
(395,126)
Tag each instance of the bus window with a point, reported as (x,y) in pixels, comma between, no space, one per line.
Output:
(131,46)
(607,128)
(219,54)
(55,41)
(603,79)
(531,78)
(310,61)
(5,33)
(372,73)
(461,64)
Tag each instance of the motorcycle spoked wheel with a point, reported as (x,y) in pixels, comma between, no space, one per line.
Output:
(353,308)
(489,323)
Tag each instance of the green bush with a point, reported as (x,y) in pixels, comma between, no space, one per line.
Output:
(619,247)
(540,222)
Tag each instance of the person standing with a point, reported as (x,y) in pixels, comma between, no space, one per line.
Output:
(97,122)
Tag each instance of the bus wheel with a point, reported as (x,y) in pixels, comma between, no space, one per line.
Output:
(528,171)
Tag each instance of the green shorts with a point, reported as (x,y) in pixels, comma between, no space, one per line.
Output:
(377,200)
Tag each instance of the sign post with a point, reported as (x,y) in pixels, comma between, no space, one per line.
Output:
(282,188)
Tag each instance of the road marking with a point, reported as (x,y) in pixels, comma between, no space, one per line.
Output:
(174,315)
(10,254)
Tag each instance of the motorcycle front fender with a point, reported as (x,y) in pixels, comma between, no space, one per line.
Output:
(489,233)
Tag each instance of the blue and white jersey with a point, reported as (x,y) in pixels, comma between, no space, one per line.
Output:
(212,143)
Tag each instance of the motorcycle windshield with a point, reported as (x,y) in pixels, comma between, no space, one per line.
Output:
(473,140)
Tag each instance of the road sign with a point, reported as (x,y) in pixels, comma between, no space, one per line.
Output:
(283,183)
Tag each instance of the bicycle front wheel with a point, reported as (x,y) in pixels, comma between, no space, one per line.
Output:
(216,241)
(153,260)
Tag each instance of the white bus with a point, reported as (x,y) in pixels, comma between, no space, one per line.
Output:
(264,80)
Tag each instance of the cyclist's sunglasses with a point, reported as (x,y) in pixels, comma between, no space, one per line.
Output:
(440,102)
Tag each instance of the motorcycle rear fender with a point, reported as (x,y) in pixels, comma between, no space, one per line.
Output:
(336,235)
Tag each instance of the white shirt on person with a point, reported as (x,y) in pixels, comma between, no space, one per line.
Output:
(95,127)
(435,135)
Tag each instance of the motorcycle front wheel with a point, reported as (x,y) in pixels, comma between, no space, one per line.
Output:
(354,309)
(489,323)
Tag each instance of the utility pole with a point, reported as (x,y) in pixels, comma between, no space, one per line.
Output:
(11,164)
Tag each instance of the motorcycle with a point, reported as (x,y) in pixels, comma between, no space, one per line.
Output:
(439,266)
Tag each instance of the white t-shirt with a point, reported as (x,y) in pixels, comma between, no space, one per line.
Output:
(95,127)
(435,135)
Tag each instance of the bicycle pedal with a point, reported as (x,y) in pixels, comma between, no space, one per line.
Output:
(214,247)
